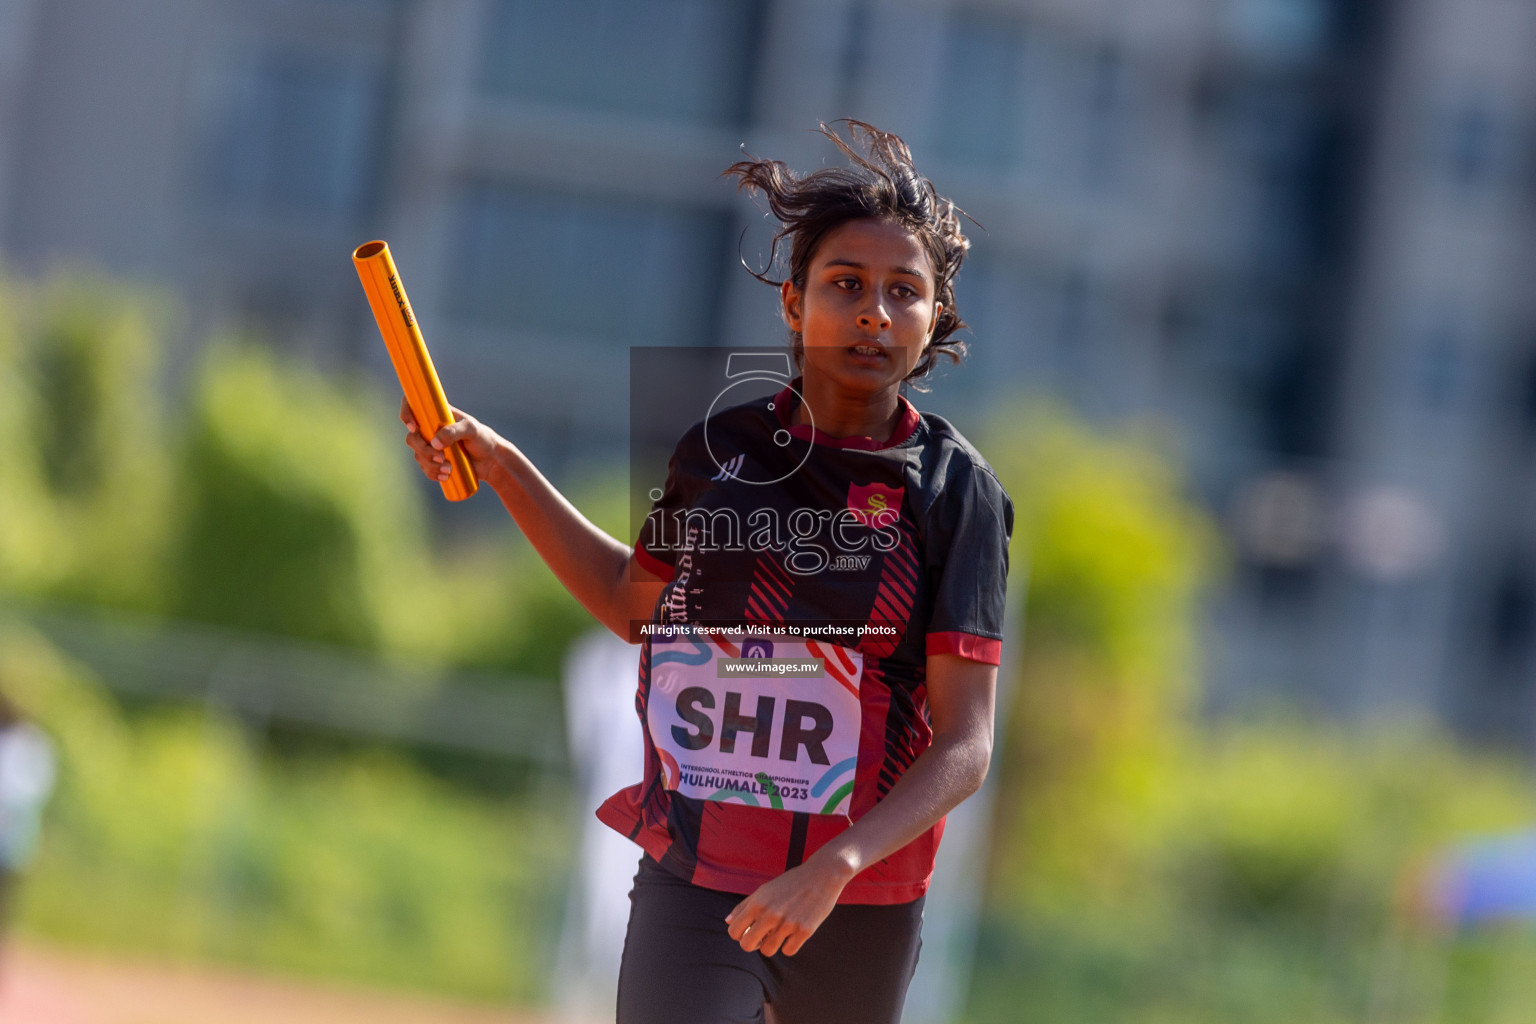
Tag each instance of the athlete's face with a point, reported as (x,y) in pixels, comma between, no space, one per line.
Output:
(868,307)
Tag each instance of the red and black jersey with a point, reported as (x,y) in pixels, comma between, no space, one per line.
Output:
(885,552)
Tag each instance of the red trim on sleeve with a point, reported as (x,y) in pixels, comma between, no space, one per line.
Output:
(967,645)
(653,565)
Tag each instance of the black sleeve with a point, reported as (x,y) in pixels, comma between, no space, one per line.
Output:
(660,535)
(967,556)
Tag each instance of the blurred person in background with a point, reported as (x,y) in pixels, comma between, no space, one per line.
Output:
(1482,881)
(26,780)
(800,904)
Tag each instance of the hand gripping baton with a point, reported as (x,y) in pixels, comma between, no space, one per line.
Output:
(413,364)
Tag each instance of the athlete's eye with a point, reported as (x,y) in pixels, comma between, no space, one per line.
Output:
(904,291)
(847,284)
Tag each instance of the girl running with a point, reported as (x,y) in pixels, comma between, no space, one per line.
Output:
(822,580)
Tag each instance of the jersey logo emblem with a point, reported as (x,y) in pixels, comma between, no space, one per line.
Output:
(866,501)
(731,470)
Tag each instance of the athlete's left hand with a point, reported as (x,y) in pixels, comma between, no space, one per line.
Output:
(785,912)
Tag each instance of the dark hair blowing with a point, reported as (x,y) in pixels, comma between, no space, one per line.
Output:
(882,184)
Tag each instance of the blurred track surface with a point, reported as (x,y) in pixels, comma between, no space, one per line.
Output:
(43,986)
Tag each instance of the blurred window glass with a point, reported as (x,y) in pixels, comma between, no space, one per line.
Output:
(683,60)
(628,273)
(858,23)
(1276,139)
(294,133)
(16,31)
(1108,111)
(1002,300)
(1528,398)
(1475,147)
(980,106)
(1036,325)
(1439,368)
(1512,617)
(1280,29)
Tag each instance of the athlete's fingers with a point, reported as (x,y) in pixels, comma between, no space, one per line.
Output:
(463,427)
(778,940)
(758,936)
(436,471)
(775,931)
(432,457)
(793,943)
(460,416)
(433,463)
(787,938)
(426,455)
(740,918)
(418,444)
(753,927)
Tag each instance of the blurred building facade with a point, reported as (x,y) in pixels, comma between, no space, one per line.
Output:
(1290,231)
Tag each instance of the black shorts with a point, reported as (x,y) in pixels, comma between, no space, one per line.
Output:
(681,966)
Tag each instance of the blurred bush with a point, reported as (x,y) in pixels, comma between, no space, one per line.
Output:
(1280,894)
(296,514)
(85,499)
(1150,867)
(1302,820)
(269,498)
(1115,557)
(171,835)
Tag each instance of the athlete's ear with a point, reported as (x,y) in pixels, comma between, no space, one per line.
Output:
(790,297)
(933,325)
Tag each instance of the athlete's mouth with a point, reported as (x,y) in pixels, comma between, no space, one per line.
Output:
(867,351)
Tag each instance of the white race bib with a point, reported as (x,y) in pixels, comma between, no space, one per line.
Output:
(767,723)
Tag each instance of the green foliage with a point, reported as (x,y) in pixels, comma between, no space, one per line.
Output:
(84,476)
(1304,821)
(1295,851)
(297,516)
(170,835)
(541,619)
(275,499)
(1147,870)
(1115,556)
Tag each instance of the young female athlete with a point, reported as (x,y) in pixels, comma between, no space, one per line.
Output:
(789,821)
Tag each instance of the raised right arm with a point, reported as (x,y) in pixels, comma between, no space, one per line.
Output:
(600,571)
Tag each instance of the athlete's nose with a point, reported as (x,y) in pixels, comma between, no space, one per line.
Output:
(874,317)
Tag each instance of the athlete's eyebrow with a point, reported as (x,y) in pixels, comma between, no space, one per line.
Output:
(859,266)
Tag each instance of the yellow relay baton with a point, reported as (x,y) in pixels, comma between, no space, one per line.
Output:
(413,363)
